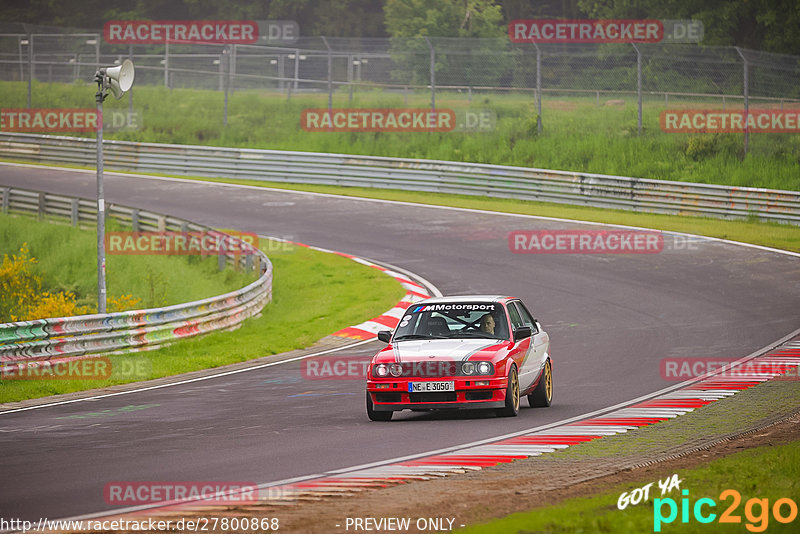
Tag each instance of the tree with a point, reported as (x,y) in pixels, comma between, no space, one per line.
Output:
(443,18)
(482,62)
(770,25)
(541,9)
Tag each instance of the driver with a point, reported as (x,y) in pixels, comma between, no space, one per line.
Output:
(487,323)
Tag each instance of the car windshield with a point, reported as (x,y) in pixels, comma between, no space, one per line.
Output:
(453,320)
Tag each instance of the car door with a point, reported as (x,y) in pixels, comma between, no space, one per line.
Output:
(521,348)
(534,349)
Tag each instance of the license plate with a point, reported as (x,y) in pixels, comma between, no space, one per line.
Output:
(418,387)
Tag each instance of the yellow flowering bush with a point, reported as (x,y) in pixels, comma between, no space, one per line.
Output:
(22,299)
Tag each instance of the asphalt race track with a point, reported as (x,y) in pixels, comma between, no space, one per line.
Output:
(611,318)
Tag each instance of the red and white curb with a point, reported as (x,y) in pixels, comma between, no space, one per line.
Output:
(415,292)
(683,399)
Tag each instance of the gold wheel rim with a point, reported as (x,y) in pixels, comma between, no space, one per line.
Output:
(548,382)
(515,390)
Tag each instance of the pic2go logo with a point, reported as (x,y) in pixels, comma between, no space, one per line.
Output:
(756,511)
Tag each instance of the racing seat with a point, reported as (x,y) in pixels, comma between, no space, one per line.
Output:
(437,326)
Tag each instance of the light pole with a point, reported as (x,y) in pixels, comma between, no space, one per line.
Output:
(117,80)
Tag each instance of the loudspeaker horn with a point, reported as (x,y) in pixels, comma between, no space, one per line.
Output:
(120,79)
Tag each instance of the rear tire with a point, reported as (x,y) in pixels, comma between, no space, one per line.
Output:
(542,396)
(511,408)
(376,416)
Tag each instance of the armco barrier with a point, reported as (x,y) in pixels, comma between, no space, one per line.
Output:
(655,196)
(71,337)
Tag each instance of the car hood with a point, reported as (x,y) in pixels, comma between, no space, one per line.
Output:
(446,349)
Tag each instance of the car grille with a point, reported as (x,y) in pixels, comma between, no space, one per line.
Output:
(477,395)
(440,396)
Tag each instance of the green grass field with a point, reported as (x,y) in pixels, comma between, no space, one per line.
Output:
(314,294)
(578,134)
(760,476)
(66,261)
(767,472)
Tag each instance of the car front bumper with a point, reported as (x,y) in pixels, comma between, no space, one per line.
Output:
(393,395)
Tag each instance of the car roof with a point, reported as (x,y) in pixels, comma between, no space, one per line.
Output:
(469,298)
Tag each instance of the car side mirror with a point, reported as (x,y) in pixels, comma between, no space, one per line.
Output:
(522,332)
(385,336)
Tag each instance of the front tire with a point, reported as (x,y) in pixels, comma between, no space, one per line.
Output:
(376,416)
(511,408)
(542,396)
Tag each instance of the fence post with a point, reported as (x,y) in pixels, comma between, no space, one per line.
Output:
(746,99)
(538,89)
(226,54)
(296,69)
(20,42)
(30,67)
(222,71)
(135,220)
(74,214)
(166,65)
(433,74)
(42,206)
(130,93)
(330,77)
(6,198)
(232,69)
(350,75)
(281,70)
(638,87)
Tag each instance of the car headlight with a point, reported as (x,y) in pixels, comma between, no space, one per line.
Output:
(396,369)
(485,368)
(468,368)
(381,370)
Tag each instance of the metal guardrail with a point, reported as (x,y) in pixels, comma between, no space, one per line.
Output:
(597,190)
(71,337)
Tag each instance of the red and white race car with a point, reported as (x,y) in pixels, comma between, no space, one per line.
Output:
(461,352)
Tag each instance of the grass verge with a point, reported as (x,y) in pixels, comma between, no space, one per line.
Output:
(580,134)
(66,261)
(766,473)
(314,294)
(768,234)
(770,472)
